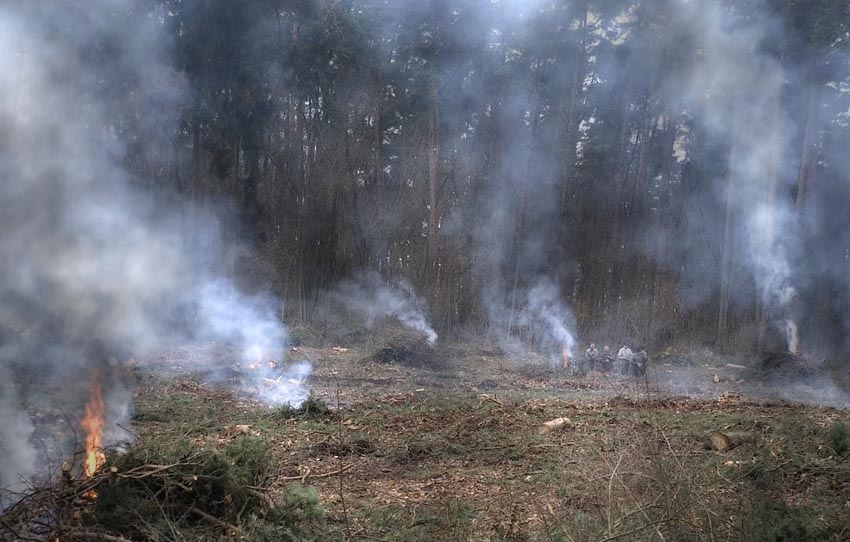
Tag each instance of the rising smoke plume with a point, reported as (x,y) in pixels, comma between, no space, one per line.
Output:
(549,317)
(518,247)
(95,268)
(375,299)
(730,82)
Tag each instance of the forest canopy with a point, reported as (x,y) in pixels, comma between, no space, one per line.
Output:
(674,170)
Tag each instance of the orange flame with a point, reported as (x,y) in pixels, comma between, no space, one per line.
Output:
(565,358)
(93,423)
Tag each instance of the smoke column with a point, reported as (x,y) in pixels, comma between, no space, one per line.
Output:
(729,58)
(93,267)
(518,250)
(372,297)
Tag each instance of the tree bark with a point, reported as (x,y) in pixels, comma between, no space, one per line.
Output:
(726,249)
(669,142)
(623,153)
(433,153)
(519,228)
(808,163)
(378,141)
(574,108)
(772,179)
(646,136)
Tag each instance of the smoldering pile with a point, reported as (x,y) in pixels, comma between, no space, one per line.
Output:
(376,299)
(415,355)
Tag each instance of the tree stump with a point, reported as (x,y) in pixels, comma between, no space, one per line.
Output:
(726,440)
(554,425)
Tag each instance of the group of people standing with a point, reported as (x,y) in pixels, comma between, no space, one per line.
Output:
(628,362)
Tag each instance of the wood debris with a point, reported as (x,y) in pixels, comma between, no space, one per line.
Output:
(726,440)
(558,424)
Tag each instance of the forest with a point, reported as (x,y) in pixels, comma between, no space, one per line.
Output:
(670,166)
(396,270)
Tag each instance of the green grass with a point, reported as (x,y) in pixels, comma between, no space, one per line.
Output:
(449,521)
(456,467)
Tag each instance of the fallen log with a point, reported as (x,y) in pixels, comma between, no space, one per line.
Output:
(726,440)
(735,366)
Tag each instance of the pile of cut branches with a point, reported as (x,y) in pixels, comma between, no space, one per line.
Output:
(147,495)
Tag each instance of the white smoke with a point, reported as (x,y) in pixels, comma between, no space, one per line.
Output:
(732,86)
(18,459)
(375,299)
(251,323)
(92,265)
(549,317)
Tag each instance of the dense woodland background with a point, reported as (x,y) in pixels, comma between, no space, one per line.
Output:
(472,147)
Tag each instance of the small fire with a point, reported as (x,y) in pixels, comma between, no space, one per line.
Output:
(93,423)
(254,365)
(565,358)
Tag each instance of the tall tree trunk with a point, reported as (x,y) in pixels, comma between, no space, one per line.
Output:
(726,247)
(433,154)
(574,107)
(623,152)
(772,186)
(519,228)
(808,163)
(198,178)
(378,137)
(646,137)
(571,137)
(664,192)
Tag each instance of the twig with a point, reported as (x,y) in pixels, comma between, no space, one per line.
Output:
(94,535)
(654,523)
(261,495)
(323,475)
(610,489)
(214,520)
(341,469)
(19,536)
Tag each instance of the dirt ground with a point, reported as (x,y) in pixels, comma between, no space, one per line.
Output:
(447,445)
(353,373)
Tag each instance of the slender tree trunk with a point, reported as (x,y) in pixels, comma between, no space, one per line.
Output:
(519,228)
(574,108)
(772,179)
(433,154)
(726,247)
(646,136)
(664,192)
(623,153)
(378,140)
(808,163)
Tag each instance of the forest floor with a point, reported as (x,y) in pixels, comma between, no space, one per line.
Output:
(446,444)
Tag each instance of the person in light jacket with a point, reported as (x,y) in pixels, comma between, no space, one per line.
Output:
(624,359)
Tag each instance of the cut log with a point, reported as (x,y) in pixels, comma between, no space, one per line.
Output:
(557,424)
(726,440)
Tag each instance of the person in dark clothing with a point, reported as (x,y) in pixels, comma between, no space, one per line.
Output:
(606,364)
(639,361)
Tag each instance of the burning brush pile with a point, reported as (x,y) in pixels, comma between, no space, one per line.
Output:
(123,489)
(149,491)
